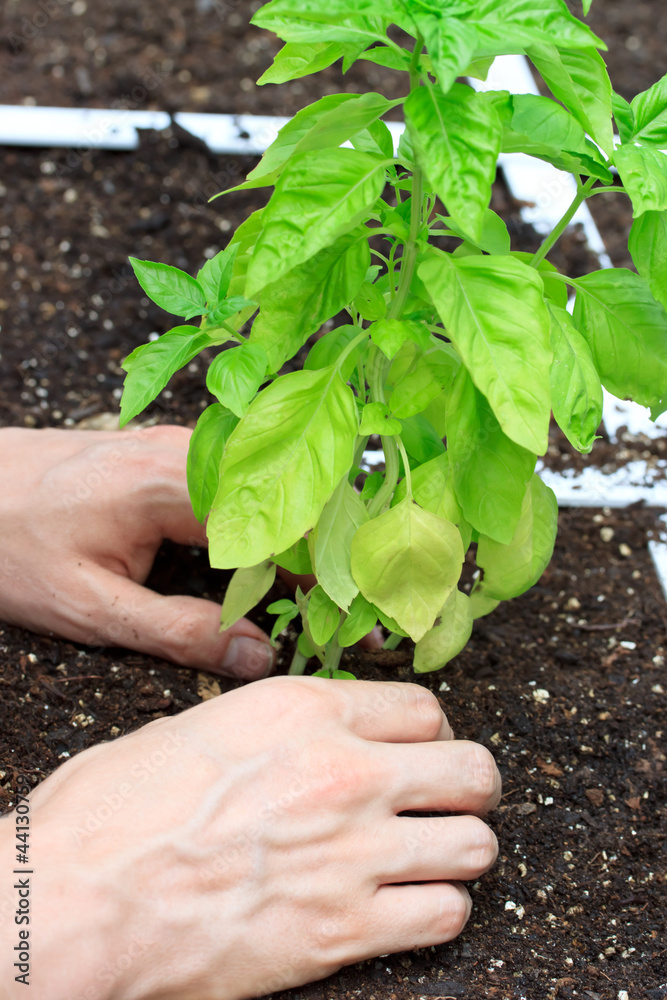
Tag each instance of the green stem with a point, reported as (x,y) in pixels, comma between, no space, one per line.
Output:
(391,470)
(392,641)
(298,664)
(409,259)
(334,651)
(406,467)
(582,193)
(607,190)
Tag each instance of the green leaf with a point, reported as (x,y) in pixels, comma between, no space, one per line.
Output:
(297,22)
(490,471)
(295,559)
(457,141)
(390,335)
(228,308)
(510,570)
(281,465)
(406,562)
(624,116)
(307,296)
(580,80)
(451,44)
(505,349)
(150,366)
(375,419)
(494,239)
(433,489)
(371,485)
(245,590)
(330,543)
(323,616)
(170,288)
(431,373)
(481,604)
(382,55)
(215,275)
(370,302)
(205,454)
(586,4)
(336,675)
(540,127)
(340,123)
(389,623)
(236,374)
(422,442)
(286,611)
(449,635)
(328,349)
(320,196)
(650,114)
(360,621)
(626,330)
(643,171)
(576,392)
(299,59)
(281,150)
(375,139)
(523,21)
(245,236)
(648,246)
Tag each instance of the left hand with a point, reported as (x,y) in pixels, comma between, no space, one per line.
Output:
(82,515)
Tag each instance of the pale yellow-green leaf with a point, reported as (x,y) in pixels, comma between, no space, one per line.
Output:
(448,636)
(407,562)
(246,589)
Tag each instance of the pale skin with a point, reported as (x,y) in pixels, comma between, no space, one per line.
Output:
(250,844)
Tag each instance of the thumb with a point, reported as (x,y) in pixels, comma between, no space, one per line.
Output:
(183,629)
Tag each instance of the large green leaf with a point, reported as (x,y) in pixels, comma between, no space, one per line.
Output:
(576,392)
(328,349)
(624,116)
(490,471)
(170,288)
(541,127)
(650,114)
(308,295)
(510,570)
(648,246)
(390,335)
(505,348)
(281,465)
(626,330)
(297,59)
(321,195)
(406,562)
(150,366)
(205,454)
(643,171)
(330,543)
(512,21)
(580,80)
(311,21)
(456,137)
(245,590)
(339,124)
(494,239)
(452,629)
(235,376)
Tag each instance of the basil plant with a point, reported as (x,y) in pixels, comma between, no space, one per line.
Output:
(455,359)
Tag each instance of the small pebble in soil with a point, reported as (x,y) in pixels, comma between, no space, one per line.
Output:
(625,550)
(541,696)
(606,534)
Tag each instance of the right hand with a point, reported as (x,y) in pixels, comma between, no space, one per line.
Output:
(253,843)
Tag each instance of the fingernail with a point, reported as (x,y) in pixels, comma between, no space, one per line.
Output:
(248,658)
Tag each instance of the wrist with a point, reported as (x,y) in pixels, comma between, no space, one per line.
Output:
(59,922)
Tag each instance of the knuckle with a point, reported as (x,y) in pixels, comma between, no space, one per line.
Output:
(454,913)
(483,847)
(484,773)
(182,636)
(427,707)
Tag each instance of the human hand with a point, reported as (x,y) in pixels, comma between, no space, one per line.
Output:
(82,515)
(253,843)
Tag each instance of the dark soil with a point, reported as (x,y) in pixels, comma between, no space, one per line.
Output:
(583,824)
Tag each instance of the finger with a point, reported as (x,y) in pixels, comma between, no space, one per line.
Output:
(182,629)
(392,712)
(457,776)
(413,916)
(374,639)
(434,848)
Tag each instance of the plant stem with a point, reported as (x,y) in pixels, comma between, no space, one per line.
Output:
(582,193)
(334,651)
(298,664)
(607,190)
(392,640)
(406,467)
(409,259)
(391,469)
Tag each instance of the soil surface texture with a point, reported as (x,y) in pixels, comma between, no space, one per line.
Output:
(565,685)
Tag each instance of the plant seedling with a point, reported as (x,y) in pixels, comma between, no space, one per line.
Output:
(472,345)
